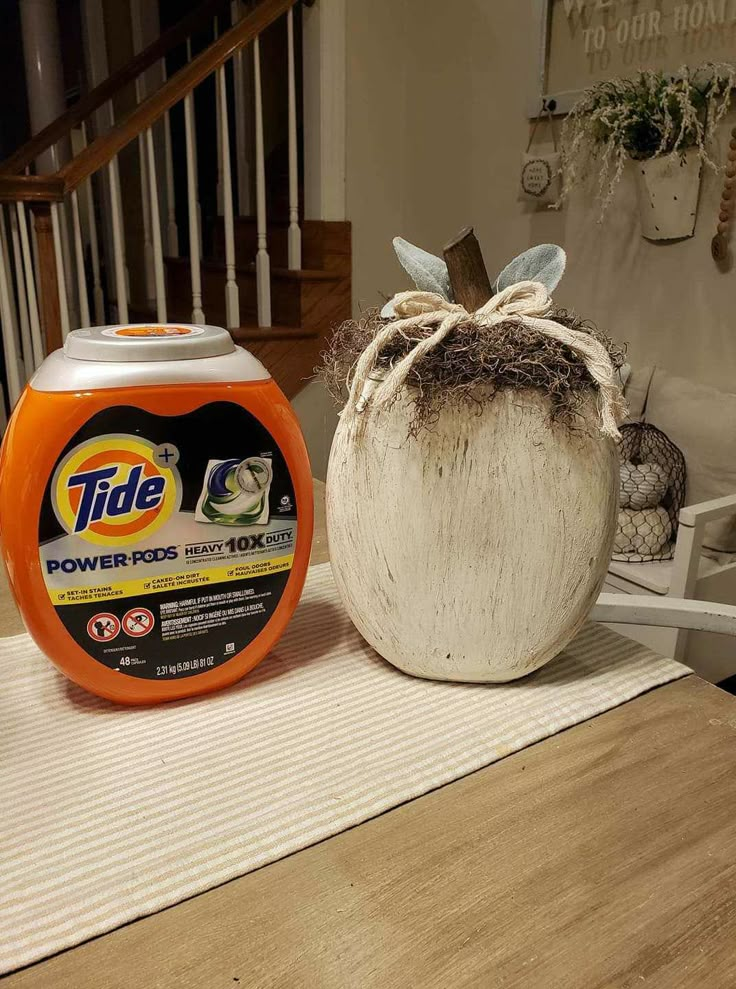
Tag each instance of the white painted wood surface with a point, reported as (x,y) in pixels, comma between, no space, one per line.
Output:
(325,117)
(665,612)
(242,79)
(158,253)
(84,317)
(11,350)
(148,263)
(98,298)
(30,285)
(475,551)
(232,297)
(193,211)
(61,270)
(193,127)
(263,263)
(118,242)
(143,161)
(690,575)
(172,230)
(219,83)
(5,248)
(65,246)
(294,245)
(20,280)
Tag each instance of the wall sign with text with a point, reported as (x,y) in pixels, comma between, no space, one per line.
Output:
(587,41)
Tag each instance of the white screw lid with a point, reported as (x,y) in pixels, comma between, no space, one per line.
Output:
(139,342)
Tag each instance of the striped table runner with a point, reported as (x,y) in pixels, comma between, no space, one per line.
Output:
(108,813)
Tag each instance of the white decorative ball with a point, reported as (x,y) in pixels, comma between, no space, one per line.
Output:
(645,532)
(642,485)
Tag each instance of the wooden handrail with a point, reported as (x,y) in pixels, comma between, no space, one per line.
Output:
(31,188)
(98,96)
(51,188)
(104,148)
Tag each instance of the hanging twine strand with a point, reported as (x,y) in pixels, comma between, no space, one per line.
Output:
(526,301)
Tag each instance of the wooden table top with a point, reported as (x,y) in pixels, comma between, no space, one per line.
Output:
(602,857)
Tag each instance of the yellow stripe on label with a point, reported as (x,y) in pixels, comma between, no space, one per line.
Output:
(171,582)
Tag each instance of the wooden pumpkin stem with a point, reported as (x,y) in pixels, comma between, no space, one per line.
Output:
(471,286)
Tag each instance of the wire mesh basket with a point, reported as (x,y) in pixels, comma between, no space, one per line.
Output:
(652,492)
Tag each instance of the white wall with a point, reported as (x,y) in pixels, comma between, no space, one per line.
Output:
(437,97)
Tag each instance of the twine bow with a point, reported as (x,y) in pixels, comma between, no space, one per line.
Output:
(527,301)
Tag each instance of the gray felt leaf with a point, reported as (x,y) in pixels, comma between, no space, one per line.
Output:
(544,263)
(388,311)
(428,272)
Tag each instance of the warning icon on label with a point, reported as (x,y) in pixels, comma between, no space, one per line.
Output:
(103,627)
(138,622)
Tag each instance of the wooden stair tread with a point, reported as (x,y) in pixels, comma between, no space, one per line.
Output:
(248,333)
(285,274)
(305,303)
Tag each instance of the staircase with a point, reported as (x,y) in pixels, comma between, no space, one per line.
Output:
(306,302)
(98,241)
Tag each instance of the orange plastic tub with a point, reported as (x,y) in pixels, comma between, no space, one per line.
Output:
(156,511)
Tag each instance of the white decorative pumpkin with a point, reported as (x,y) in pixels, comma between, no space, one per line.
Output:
(474,550)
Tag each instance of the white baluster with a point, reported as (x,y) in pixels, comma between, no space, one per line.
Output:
(33,317)
(172,231)
(263,263)
(60,271)
(232,296)
(148,265)
(219,83)
(20,281)
(140,95)
(94,246)
(194,250)
(84,319)
(68,265)
(33,233)
(295,234)
(118,242)
(10,338)
(241,75)
(196,161)
(13,303)
(158,254)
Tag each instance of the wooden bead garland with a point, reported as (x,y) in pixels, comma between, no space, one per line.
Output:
(719,244)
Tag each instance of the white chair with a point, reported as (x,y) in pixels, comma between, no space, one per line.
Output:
(691,575)
(677,613)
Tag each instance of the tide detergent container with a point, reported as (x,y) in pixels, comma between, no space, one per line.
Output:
(155,510)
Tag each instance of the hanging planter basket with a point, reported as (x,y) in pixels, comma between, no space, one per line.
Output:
(665,125)
(472,482)
(668,187)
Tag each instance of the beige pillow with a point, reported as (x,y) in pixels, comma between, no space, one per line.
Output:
(701,421)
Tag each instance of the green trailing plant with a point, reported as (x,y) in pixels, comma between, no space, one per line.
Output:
(649,115)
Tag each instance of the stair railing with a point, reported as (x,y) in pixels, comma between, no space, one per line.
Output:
(49,280)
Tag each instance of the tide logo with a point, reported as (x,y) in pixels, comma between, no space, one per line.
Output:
(112,491)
